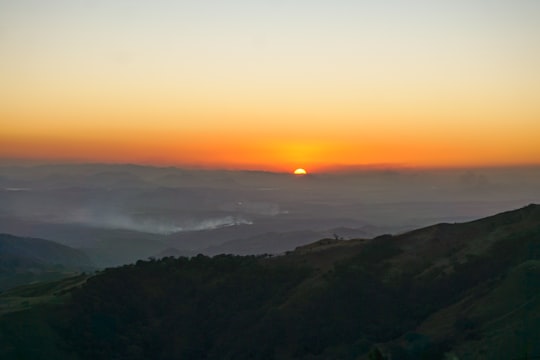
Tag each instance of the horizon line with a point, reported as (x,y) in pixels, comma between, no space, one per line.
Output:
(322,169)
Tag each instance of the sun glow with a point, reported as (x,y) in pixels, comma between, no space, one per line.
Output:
(300,171)
(332,86)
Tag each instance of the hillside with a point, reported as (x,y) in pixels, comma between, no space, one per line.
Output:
(460,291)
(24,260)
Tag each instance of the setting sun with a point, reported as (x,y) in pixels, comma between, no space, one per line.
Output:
(300,171)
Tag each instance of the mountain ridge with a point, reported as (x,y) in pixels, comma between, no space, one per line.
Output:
(465,291)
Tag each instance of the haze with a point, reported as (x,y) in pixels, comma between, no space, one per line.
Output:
(403,114)
(269,179)
(122,213)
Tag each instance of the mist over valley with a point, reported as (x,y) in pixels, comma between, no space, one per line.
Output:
(122,213)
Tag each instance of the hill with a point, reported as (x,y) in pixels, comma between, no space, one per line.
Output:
(459,291)
(24,260)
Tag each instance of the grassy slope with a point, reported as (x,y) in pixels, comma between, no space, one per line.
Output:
(500,323)
(26,315)
(28,260)
(468,289)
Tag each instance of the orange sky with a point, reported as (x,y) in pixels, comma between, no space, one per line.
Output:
(271,86)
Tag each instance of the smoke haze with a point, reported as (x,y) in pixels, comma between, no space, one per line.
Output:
(105,208)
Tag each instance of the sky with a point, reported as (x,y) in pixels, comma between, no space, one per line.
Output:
(271,85)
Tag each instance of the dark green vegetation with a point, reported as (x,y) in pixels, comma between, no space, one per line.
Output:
(26,260)
(31,317)
(465,291)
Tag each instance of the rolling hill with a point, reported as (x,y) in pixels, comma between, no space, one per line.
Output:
(24,260)
(447,291)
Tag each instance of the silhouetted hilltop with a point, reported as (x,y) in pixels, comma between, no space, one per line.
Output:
(465,291)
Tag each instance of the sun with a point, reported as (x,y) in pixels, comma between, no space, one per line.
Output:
(300,171)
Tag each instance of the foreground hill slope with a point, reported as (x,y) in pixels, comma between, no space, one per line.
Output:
(24,260)
(465,291)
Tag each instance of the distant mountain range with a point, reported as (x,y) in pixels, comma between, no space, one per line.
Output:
(447,291)
(113,247)
(120,213)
